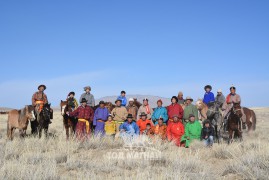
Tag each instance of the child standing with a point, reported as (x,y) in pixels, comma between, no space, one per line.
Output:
(110,127)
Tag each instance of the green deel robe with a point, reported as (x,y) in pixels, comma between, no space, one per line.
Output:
(193,131)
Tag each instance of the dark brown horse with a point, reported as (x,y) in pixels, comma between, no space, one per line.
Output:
(234,123)
(19,119)
(68,122)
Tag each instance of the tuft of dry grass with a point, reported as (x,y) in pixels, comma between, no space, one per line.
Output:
(56,158)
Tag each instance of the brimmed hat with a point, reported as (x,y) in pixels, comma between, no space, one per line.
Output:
(71,93)
(131,99)
(87,87)
(42,85)
(84,100)
(145,99)
(130,116)
(160,101)
(191,115)
(101,102)
(174,97)
(143,114)
(208,87)
(188,98)
(118,100)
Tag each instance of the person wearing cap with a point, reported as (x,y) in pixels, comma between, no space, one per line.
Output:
(192,131)
(72,101)
(100,117)
(132,108)
(174,109)
(189,109)
(129,128)
(85,115)
(233,97)
(88,96)
(160,129)
(119,114)
(209,96)
(180,98)
(175,130)
(207,134)
(145,108)
(159,112)
(143,121)
(220,98)
(123,99)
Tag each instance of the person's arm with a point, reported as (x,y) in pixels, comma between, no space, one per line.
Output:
(180,112)
(212,97)
(168,133)
(74,113)
(137,130)
(93,101)
(33,99)
(165,115)
(138,114)
(45,99)
(95,117)
(153,118)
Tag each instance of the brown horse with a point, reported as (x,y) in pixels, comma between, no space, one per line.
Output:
(68,122)
(19,119)
(234,123)
(250,118)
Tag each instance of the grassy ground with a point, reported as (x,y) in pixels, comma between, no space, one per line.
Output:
(56,158)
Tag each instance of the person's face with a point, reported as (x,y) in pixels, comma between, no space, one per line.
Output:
(148,127)
(160,122)
(143,118)
(41,89)
(176,119)
(159,104)
(102,105)
(207,125)
(145,103)
(118,103)
(88,91)
(219,93)
(180,95)
(174,101)
(192,119)
(188,102)
(84,104)
(131,103)
(109,119)
(71,95)
(123,94)
(130,120)
(207,90)
(233,91)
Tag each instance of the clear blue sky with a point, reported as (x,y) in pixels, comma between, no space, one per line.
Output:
(144,47)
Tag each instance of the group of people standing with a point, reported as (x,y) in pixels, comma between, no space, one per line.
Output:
(172,123)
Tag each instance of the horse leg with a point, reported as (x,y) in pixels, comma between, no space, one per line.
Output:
(39,132)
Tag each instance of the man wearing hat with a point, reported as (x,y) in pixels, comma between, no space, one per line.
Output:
(123,99)
(209,96)
(192,131)
(233,97)
(39,98)
(189,109)
(143,121)
(174,109)
(145,108)
(119,114)
(72,101)
(132,108)
(220,98)
(129,128)
(85,114)
(175,130)
(159,112)
(180,98)
(88,96)
(100,117)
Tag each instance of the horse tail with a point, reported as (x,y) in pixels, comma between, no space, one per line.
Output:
(254,120)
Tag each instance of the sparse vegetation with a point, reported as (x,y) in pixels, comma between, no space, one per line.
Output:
(56,158)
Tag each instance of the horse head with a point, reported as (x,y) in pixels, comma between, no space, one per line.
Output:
(63,105)
(200,104)
(237,109)
(46,112)
(30,112)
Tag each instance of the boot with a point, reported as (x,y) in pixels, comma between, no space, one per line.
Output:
(244,125)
